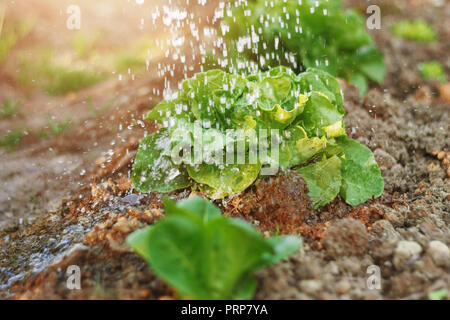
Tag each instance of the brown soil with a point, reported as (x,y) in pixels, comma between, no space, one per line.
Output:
(67,200)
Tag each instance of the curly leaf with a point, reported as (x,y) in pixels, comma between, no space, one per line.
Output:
(319,112)
(220,182)
(154,170)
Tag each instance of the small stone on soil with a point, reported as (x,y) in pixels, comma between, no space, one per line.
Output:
(343,287)
(404,252)
(311,286)
(444,91)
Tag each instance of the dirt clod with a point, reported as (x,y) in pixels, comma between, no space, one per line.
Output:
(384,159)
(346,237)
(385,230)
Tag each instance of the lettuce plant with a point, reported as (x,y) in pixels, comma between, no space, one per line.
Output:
(205,255)
(301,34)
(303,115)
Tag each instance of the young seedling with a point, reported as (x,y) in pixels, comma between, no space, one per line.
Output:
(12,139)
(432,70)
(54,127)
(417,30)
(10,108)
(205,255)
(62,81)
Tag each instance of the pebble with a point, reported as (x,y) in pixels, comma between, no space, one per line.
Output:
(343,287)
(444,91)
(439,252)
(311,286)
(405,251)
(332,268)
(132,198)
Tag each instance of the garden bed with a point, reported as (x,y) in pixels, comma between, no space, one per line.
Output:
(67,199)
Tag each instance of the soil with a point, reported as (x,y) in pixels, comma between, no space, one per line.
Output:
(67,200)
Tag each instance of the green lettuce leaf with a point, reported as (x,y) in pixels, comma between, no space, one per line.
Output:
(321,81)
(361,176)
(210,92)
(319,112)
(205,255)
(371,64)
(220,182)
(323,180)
(153,168)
